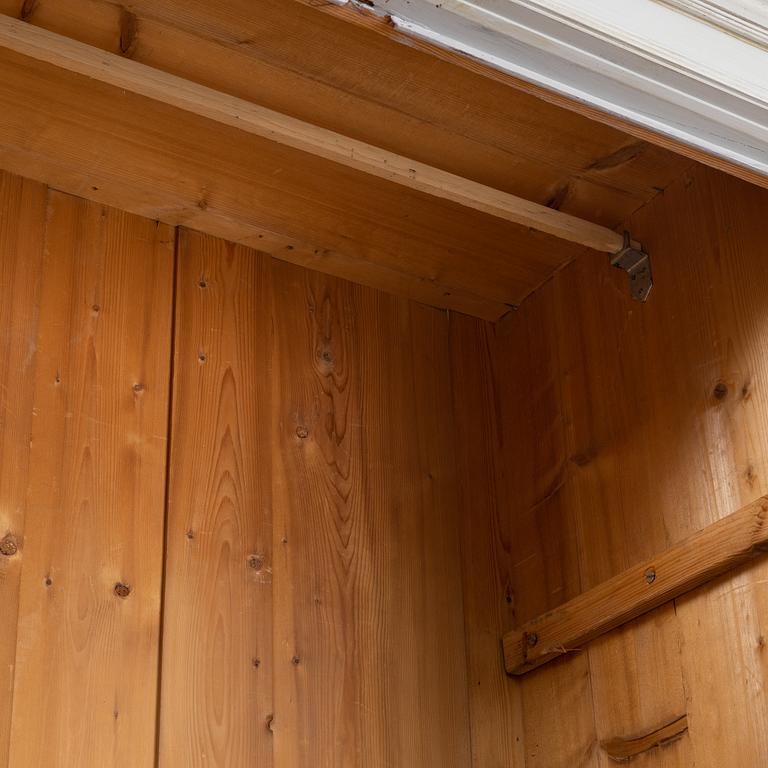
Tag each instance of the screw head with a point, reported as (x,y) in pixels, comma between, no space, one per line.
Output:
(532,638)
(650,576)
(122,590)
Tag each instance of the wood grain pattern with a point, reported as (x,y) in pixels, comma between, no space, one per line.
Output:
(663,411)
(450,117)
(22,228)
(157,85)
(512,470)
(301,211)
(87,652)
(300,208)
(216,702)
(622,748)
(371,21)
(369,642)
(720,547)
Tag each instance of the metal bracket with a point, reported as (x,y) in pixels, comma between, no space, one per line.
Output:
(637,264)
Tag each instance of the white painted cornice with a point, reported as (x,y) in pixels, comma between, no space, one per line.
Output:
(693,70)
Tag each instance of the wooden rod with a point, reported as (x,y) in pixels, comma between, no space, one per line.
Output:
(63,52)
(708,553)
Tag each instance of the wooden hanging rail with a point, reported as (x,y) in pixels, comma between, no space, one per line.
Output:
(42,45)
(708,553)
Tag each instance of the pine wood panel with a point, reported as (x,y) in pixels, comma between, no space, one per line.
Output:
(381,24)
(517,562)
(465,122)
(87,649)
(22,226)
(95,143)
(216,703)
(91,139)
(369,644)
(51,48)
(710,238)
(663,411)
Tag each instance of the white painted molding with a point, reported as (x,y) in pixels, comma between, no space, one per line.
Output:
(744,18)
(685,75)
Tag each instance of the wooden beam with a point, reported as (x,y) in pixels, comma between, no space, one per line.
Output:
(708,553)
(63,52)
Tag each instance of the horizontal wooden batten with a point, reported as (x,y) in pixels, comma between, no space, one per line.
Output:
(708,553)
(63,52)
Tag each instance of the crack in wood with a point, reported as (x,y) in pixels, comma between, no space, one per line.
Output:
(622,749)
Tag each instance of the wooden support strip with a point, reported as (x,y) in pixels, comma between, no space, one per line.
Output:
(60,51)
(708,553)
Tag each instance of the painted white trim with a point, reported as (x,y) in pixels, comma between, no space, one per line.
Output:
(641,60)
(744,18)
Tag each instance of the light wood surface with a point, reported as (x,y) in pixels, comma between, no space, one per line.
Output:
(376,22)
(282,478)
(87,650)
(718,548)
(511,452)
(22,223)
(83,59)
(367,623)
(661,413)
(217,668)
(92,140)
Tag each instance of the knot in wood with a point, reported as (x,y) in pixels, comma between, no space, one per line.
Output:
(8,546)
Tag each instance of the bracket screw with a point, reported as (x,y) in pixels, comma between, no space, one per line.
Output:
(532,639)
(650,576)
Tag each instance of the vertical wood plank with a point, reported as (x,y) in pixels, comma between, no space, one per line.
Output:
(495,703)
(517,561)
(369,647)
(22,229)
(710,237)
(216,704)
(662,409)
(617,407)
(87,652)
